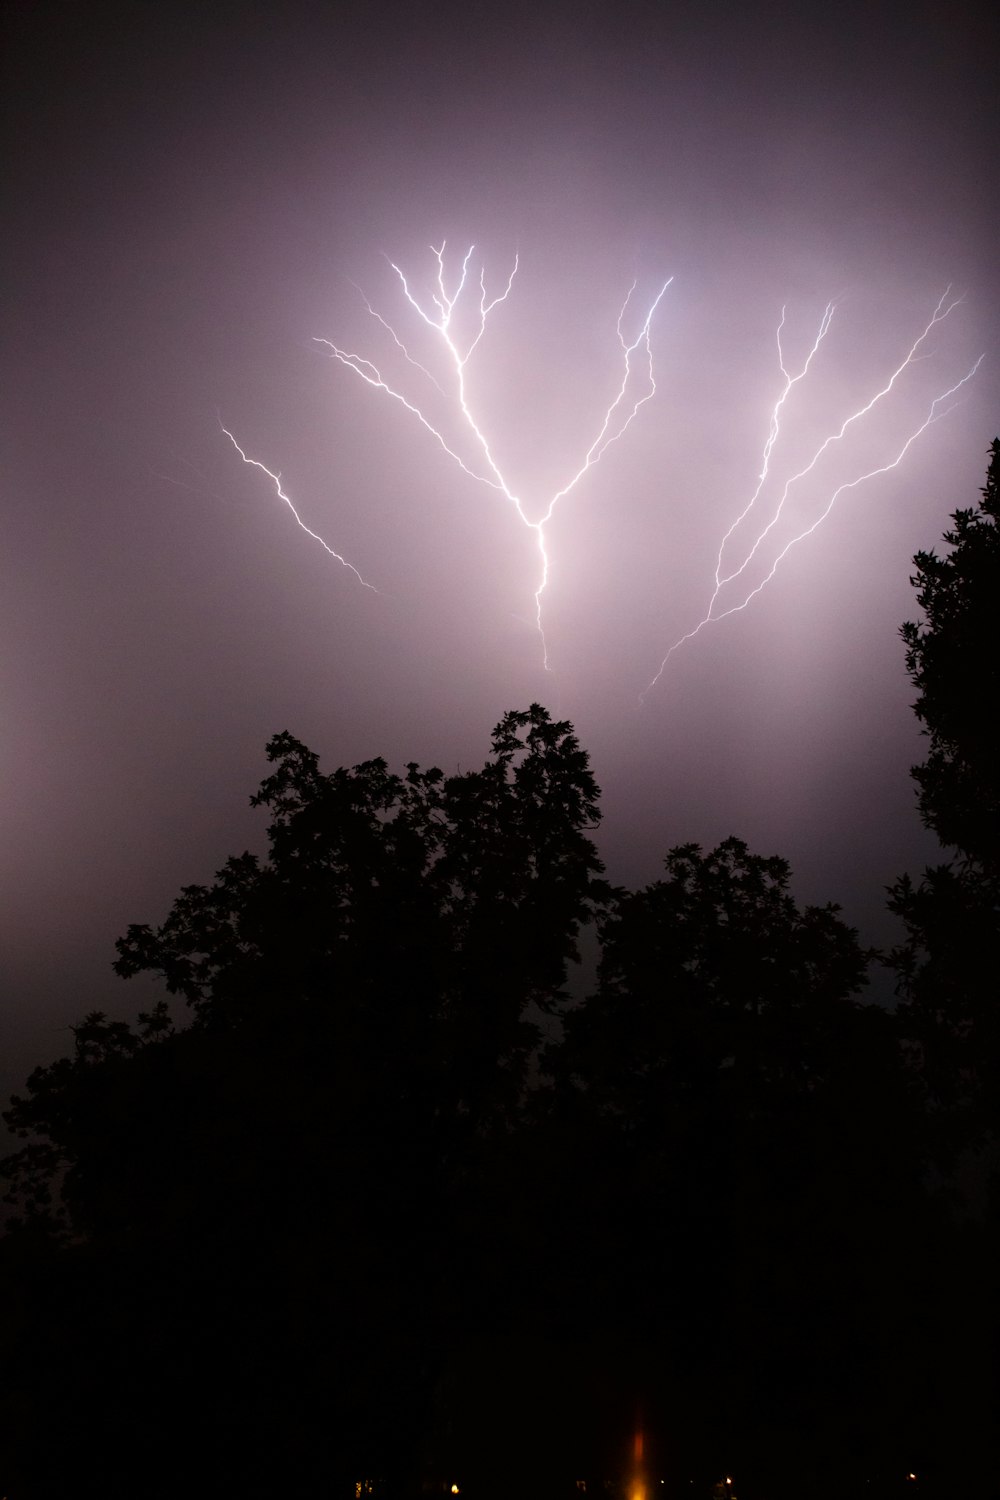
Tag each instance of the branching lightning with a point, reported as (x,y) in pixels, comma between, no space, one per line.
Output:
(438,315)
(449,321)
(746,592)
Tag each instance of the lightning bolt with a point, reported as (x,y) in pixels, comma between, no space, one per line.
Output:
(711,616)
(437,313)
(276,481)
(454,309)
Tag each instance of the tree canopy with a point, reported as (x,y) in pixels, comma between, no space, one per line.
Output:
(296,1163)
(953,659)
(371,1188)
(946,964)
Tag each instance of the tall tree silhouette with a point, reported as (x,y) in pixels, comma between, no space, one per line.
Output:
(953,658)
(946,967)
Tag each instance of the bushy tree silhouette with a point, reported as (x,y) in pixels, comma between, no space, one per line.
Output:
(272,1197)
(758,1138)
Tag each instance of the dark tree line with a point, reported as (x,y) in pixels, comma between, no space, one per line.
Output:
(371,1198)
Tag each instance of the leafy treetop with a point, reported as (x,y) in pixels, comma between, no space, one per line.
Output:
(953,658)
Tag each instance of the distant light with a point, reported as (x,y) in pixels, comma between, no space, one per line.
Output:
(454,1489)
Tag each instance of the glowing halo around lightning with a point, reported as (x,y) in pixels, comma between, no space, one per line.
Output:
(711,617)
(437,315)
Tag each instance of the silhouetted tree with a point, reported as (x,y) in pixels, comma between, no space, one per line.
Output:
(757,1141)
(714,974)
(272,1206)
(317,1228)
(953,660)
(946,968)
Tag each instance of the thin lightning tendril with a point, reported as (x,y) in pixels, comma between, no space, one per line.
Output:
(772,437)
(944,307)
(836,437)
(276,480)
(439,319)
(395,338)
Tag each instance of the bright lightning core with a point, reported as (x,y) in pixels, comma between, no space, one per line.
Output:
(453,314)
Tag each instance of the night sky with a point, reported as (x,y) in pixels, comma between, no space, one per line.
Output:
(193,198)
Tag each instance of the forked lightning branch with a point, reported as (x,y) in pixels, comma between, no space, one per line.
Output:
(446,324)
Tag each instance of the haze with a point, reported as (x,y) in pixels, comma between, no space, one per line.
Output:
(194,204)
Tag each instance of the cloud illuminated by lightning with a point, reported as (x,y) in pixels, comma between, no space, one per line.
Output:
(437,312)
(747,593)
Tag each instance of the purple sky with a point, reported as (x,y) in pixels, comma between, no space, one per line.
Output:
(192,202)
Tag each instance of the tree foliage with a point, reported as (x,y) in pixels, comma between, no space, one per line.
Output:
(946,965)
(386,1190)
(267,1188)
(716,966)
(953,660)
